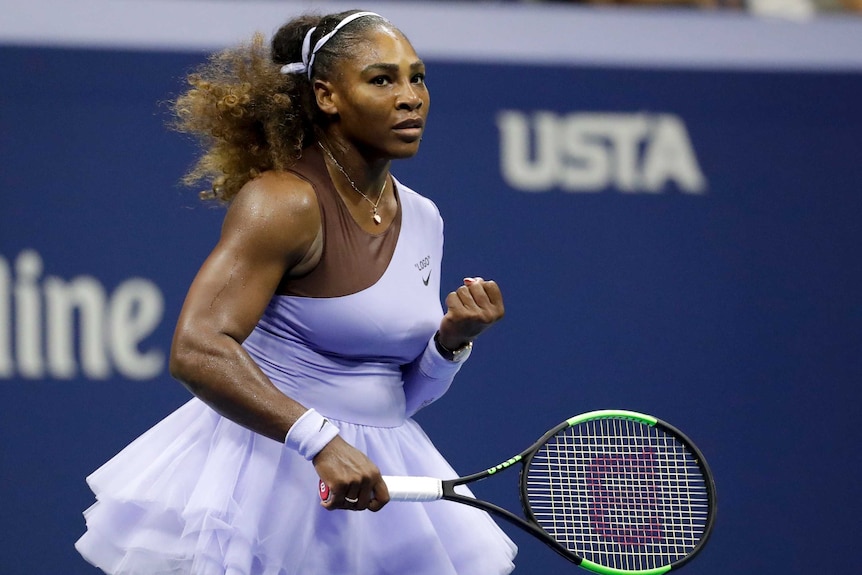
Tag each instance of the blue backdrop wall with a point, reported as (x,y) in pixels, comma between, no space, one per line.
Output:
(676,240)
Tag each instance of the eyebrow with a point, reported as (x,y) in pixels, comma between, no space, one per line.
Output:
(392,68)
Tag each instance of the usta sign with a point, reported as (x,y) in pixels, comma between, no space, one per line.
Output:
(591,152)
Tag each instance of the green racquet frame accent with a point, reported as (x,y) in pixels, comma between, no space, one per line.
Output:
(503,465)
(612,413)
(596,568)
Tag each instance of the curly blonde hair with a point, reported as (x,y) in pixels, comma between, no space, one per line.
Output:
(247,115)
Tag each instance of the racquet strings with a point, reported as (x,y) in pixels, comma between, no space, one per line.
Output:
(619,493)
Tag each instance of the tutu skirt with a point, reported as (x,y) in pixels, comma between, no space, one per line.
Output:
(198,494)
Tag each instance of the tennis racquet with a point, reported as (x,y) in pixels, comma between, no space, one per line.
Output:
(616,492)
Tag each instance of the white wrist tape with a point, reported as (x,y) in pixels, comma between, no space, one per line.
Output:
(310,434)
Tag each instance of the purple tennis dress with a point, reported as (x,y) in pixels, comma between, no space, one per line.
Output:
(198,494)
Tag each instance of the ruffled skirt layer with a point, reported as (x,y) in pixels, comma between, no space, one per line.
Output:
(198,494)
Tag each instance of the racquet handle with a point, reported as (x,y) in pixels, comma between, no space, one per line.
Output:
(402,488)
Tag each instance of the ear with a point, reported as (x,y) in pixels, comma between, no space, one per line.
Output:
(327,99)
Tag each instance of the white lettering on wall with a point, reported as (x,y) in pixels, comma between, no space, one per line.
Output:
(590,152)
(56,328)
(135,312)
(7,366)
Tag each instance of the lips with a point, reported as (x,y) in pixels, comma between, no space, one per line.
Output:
(410,130)
(409,124)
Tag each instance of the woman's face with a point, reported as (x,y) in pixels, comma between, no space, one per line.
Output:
(380,96)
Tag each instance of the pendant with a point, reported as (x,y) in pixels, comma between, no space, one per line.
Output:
(376,218)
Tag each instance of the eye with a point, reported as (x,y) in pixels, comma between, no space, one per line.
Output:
(418,78)
(380,80)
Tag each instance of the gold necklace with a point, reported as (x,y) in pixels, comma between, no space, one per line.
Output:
(375,216)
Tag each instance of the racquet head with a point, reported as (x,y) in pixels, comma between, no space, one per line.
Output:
(620,492)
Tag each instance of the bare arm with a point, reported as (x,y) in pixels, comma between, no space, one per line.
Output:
(271,229)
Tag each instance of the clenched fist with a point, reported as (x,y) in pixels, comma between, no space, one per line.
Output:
(471,309)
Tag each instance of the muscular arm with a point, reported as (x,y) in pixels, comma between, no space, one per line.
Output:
(270,229)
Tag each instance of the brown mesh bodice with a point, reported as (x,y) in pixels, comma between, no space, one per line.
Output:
(352,259)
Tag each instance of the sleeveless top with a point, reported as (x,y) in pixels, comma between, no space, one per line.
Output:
(353,259)
(339,342)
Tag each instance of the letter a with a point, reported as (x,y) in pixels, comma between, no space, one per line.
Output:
(669,155)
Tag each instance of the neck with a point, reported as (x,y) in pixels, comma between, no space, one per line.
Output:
(376,217)
(366,174)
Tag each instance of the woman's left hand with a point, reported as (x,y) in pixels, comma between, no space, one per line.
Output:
(471,309)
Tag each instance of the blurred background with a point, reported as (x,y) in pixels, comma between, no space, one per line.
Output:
(667,192)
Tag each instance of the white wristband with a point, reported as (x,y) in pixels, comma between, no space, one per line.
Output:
(310,434)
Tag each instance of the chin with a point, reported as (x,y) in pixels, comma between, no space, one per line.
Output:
(405,150)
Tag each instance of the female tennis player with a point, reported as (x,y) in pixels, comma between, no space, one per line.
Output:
(311,334)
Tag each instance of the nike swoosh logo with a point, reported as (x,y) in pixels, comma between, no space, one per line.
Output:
(426,279)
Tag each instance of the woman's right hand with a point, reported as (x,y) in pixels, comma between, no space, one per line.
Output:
(349,474)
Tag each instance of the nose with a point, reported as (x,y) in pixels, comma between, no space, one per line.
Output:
(409,98)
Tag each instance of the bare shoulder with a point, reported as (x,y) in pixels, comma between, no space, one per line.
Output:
(275,195)
(277,212)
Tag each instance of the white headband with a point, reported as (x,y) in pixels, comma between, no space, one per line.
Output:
(308,54)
